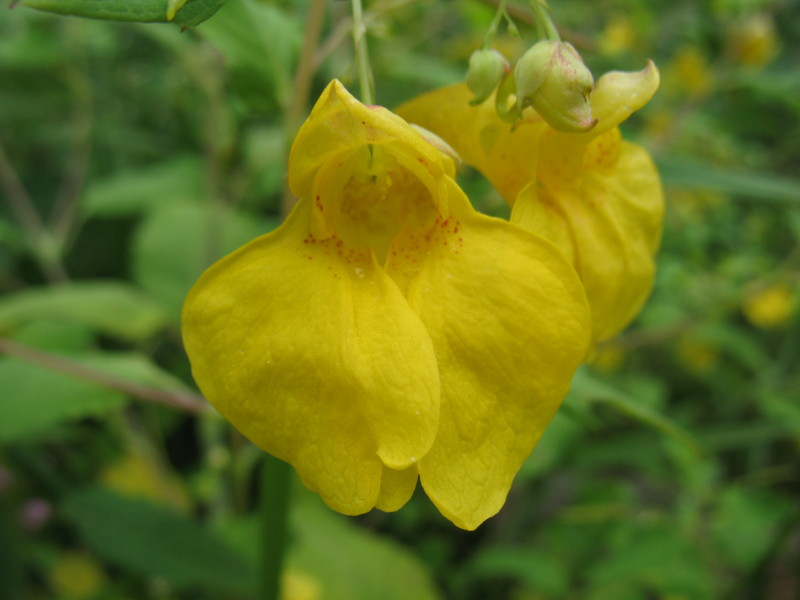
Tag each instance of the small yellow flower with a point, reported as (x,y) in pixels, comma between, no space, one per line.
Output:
(76,575)
(299,585)
(690,73)
(618,36)
(386,331)
(769,307)
(696,354)
(752,41)
(595,196)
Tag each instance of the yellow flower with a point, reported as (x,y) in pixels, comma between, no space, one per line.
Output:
(752,41)
(77,575)
(769,307)
(618,36)
(386,330)
(595,196)
(690,73)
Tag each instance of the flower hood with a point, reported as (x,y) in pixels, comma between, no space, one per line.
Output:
(386,331)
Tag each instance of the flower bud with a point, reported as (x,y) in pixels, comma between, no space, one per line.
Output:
(551,76)
(486,69)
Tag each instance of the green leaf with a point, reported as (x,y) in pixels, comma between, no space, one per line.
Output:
(695,174)
(174,246)
(259,42)
(539,571)
(560,436)
(35,399)
(343,560)
(747,515)
(193,12)
(650,557)
(351,563)
(133,367)
(108,307)
(588,390)
(179,180)
(152,540)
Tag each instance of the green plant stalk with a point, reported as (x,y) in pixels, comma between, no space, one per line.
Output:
(275,475)
(545,28)
(362,55)
(499,14)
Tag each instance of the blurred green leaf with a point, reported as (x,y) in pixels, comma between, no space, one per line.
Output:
(152,540)
(174,246)
(54,335)
(561,434)
(113,308)
(174,181)
(587,389)
(259,43)
(35,399)
(351,563)
(193,12)
(651,558)
(539,571)
(695,174)
(745,522)
(131,366)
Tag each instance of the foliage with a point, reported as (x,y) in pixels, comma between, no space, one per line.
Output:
(133,155)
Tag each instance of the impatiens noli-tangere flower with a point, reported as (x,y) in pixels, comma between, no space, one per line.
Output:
(386,331)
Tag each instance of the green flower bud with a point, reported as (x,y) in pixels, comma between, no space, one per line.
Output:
(552,78)
(486,69)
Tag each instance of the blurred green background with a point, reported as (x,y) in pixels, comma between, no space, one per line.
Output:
(133,155)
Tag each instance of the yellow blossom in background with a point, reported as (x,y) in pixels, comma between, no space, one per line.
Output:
(139,475)
(690,73)
(595,196)
(298,585)
(75,575)
(618,36)
(387,331)
(696,354)
(770,306)
(752,41)
(607,358)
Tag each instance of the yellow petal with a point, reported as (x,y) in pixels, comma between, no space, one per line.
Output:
(511,158)
(310,350)
(506,157)
(609,222)
(618,94)
(509,323)
(397,487)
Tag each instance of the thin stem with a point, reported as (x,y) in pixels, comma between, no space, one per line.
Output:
(362,54)
(544,24)
(65,208)
(499,15)
(45,248)
(301,86)
(182,400)
(274,512)
(18,198)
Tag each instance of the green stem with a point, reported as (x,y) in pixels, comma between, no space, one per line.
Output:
(499,14)
(274,513)
(362,55)
(545,28)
